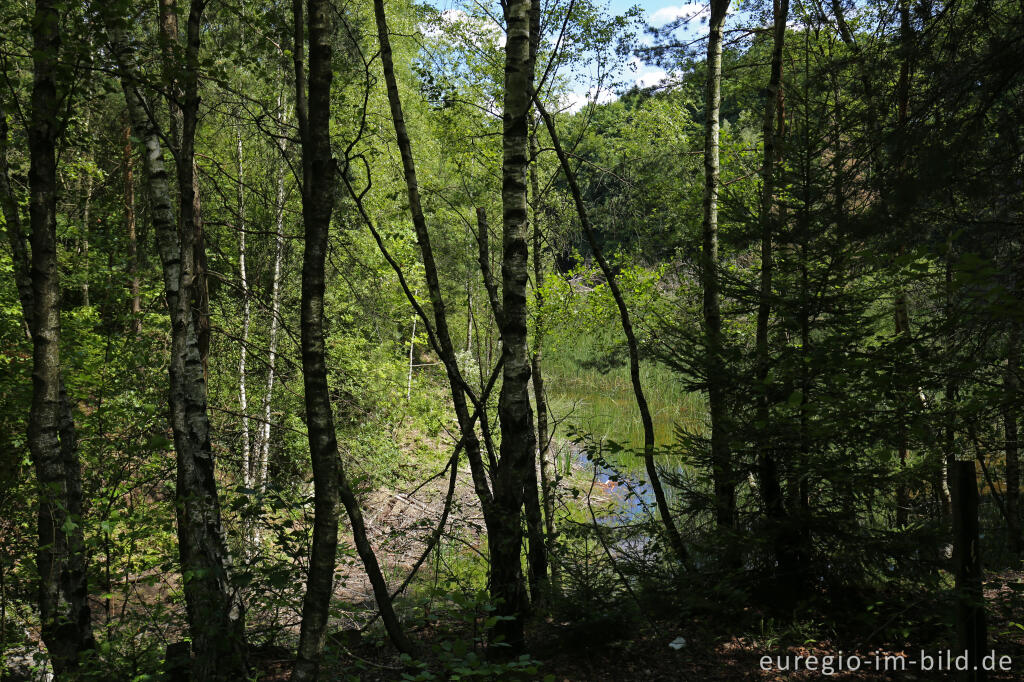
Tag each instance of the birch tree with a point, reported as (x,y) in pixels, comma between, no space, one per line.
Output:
(61,557)
(263,441)
(319,176)
(514,409)
(721,458)
(216,619)
(248,468)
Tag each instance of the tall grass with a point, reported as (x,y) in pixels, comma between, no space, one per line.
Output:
(589,391)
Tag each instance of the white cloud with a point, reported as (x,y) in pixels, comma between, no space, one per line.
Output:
(574,101)
(644,75)
(460,22)
(692,12)
(650,76)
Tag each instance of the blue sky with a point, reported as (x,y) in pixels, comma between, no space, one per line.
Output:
(658,13)
(581,77)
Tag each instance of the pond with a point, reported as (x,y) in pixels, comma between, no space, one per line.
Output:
(599,406)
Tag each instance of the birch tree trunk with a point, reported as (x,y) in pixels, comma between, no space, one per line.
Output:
(536,554)
(547,477)
(181,76)
(248,473)
(514,410)
(724,485)
(317,205)
(536,550)
(190,213)
(61,559)
(216,619)
(275,313)
(134,285)
(318,186)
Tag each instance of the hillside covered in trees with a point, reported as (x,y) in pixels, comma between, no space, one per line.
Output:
(389,341)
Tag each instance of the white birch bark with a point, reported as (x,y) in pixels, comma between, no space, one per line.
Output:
(243,401)
(275,313)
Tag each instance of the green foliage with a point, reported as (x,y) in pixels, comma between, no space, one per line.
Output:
(875,214)
(460,658)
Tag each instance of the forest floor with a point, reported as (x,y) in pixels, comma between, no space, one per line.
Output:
(710,648)
(709,654)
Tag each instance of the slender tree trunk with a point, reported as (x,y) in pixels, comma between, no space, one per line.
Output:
(190,212)
(469,312)
(942,486)
(275,313)
(200,285)
(16,238)
(412,350)
(783,539)
(216,618)
(536,555)
(675,540)
(248,468)
(797,474)
(721,459)
(969,608)
(502,519)
(318,186)
(198,475)
(484,259)
(1011,385)
(318,169)
(802,490)
(514,410)
(61,559)
(168,38)
(3,602)
(901,320)
(181,76)
(901,310)
(547,477)
(83,243)
(134,285)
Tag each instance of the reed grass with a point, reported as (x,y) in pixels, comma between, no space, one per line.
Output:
(589,391)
